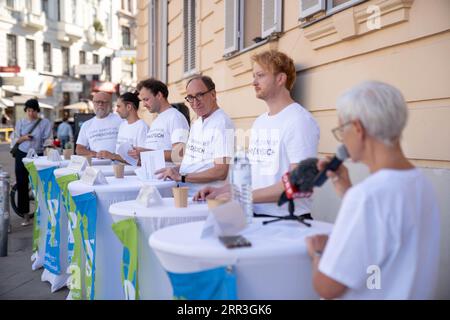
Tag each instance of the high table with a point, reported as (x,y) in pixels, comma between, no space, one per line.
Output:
(103,248)
(152,279)
(276,266)
(59,279)
(46,233)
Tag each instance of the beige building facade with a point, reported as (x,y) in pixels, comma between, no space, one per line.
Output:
(335,44)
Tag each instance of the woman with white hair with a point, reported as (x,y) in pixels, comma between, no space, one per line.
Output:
(385,242)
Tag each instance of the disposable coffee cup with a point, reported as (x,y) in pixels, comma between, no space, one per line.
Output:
(180,196)
(118,170)
(212,203)
(67,153)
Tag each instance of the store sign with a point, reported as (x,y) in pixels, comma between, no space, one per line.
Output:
(72,86)
(88,69)
(125,53)
(13,69)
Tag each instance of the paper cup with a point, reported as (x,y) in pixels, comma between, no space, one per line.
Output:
(67,153)
(180,195)
(212,203)
(118,170)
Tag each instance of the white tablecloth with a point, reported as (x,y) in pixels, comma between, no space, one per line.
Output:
(42,163)
(108,248)
(153,280)
(107,171)
(277,265)
(60,172)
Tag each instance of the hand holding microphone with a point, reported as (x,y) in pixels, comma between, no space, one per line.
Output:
(310,173)
(332,168)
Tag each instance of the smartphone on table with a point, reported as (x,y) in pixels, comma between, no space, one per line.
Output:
(235,241)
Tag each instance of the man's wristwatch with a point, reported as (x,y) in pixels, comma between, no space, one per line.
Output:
(183,178)
(318,253)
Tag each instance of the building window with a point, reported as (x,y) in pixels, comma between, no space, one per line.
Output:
(31,60)
(126,37)
(47,57)
(96,60)
(58,9)
(107,68)
(74,11)
(12,49)
(308,8)
(45,7)
(65,61)
(82,57)
(127,5)
(250,22)
(189,18)
(10,3)
(158,39)
(83,61)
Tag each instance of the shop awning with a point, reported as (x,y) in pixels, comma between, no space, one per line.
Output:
(80,106)
(5,103)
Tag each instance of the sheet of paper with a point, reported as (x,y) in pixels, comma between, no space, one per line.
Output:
(149,196)
(53,155)
(77,163)
(152,161)
(123,152)
(92,176)
(225,220)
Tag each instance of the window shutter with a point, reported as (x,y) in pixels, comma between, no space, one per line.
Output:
(271,17)
(231,25)
(310,7)
(189,35)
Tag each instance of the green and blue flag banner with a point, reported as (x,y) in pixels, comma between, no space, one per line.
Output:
(74,243)
(86,206)
(127,232)
(213,284)
(52,243)
(34,180)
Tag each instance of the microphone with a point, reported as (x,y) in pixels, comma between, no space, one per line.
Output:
(333,165)
(299,182)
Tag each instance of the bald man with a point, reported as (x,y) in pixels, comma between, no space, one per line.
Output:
(99,133)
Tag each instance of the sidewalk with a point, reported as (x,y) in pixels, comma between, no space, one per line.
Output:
(17,280)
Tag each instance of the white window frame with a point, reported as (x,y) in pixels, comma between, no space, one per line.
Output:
(278,19)
(192,47)
(326,7)
(343,6)
(153,46)
(238,28)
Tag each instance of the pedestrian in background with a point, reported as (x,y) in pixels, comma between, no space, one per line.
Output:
(31,136)
(64,132)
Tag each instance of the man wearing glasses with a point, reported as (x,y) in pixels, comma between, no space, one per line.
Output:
(211,139)
(99,133)
(169,130)
(280,138)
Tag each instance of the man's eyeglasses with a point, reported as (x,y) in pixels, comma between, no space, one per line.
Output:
(199,96)
(337,132)
(100,102)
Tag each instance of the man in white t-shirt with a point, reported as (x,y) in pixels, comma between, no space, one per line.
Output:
(99,133)
(211,140)
(280,138)
(132,131)
(170,130)
(385,242)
